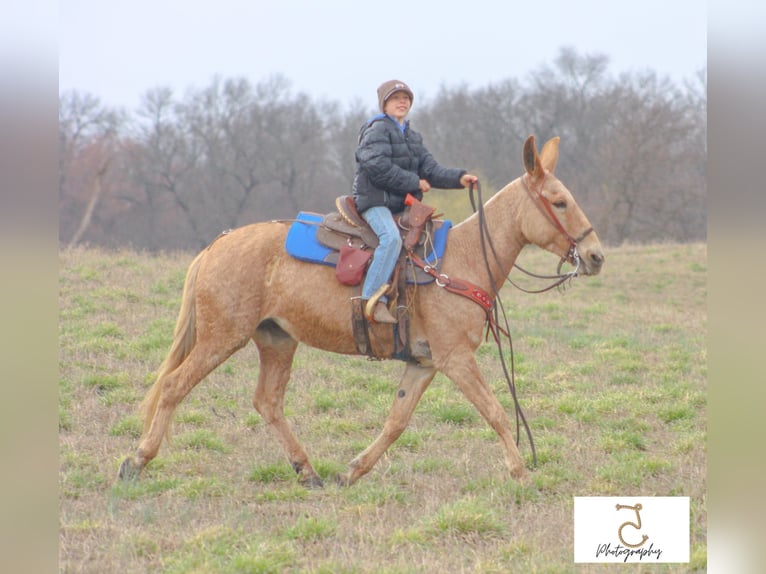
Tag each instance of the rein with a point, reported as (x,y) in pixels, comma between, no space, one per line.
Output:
(493,316)
(572,256)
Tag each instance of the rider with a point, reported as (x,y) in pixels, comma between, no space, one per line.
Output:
(391,161)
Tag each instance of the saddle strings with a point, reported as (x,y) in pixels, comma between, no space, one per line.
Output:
(428,247)
(498,309)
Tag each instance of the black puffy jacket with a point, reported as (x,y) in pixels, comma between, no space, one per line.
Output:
(390,164)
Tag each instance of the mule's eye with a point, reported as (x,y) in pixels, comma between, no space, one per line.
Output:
(560,204)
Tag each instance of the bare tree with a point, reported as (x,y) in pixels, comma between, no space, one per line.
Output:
(343,132)
(299,152)
(646,159)
(166,162)
(633,150)
(88,138)
(478,129)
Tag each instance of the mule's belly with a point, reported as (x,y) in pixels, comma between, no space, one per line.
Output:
(335,334)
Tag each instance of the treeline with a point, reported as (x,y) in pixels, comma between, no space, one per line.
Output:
(176,172)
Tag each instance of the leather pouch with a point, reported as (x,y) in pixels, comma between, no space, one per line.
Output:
(352,263)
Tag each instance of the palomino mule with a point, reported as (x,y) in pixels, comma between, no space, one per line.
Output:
(244,287)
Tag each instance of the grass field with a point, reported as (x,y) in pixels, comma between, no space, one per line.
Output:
(611,375)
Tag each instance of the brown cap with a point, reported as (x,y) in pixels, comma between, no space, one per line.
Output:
(389,88)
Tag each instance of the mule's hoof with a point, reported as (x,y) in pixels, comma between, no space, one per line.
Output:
(312,482)
(129,470)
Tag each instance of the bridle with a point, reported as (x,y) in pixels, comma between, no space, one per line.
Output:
(544,204)
(572,255)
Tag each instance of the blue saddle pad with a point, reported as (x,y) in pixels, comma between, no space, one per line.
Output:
(302,243)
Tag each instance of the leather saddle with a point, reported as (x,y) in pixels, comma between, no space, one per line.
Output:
(346,227)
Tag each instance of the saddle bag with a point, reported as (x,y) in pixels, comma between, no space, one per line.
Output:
(352,264)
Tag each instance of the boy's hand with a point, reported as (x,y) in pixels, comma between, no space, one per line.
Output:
(467,179)
(424,186)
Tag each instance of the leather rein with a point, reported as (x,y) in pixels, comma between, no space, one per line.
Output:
(498,310)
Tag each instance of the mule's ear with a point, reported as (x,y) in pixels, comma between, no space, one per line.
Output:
(530,155)
(549,155)
(532,160)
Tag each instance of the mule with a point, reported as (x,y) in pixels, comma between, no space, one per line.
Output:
(245,287)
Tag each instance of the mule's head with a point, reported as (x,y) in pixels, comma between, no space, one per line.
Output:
(551,218)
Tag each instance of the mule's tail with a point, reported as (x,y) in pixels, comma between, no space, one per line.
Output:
(184,337)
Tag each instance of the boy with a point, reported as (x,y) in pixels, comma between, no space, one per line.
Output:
(391,161)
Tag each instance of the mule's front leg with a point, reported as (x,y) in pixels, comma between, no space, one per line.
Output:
(414,382)
(464,372)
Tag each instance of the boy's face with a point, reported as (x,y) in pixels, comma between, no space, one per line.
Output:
(398,105)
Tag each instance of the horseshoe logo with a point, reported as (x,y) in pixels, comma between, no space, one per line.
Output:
(636,525)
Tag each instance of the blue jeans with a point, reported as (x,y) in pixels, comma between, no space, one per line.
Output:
(386,253)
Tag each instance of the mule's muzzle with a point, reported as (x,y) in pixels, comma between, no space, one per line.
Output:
(593,260)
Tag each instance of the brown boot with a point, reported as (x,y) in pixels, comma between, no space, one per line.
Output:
(375,310)
(380,314)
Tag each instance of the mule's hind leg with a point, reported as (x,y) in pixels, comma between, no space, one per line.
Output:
(411,388)
(276,349)
(172,388)
(464,372)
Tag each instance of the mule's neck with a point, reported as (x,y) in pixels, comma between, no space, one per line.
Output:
(501,215)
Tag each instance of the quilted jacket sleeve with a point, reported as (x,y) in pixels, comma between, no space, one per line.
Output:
(438,175)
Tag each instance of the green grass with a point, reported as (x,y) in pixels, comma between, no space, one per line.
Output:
(466,517)
(130,426)
(455,413)
(104,383)
(310,528)
(611,375)
(224,550)
(278,472)
(141,490)
(202,439)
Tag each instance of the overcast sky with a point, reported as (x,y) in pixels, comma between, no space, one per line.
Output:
(342,49)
